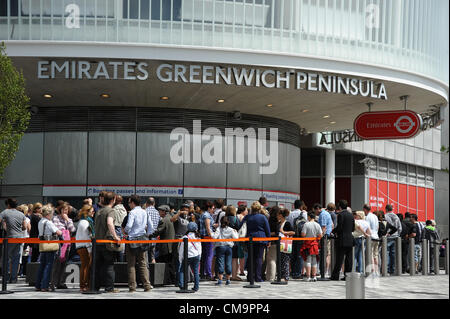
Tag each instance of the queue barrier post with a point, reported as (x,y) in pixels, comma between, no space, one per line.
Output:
(412,262)
(5,268)
(185,290)
(92,290)
(384,258)
(250,265)
(355,285)
(436,258)
(425,258)
(333,253)
(368,257)
(398,256)
(323,258)
(278,281)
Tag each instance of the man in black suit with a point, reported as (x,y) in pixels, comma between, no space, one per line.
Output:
(344,240)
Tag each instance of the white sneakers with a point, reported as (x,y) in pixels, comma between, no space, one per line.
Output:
(308,279)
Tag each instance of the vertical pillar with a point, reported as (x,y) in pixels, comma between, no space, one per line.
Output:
(329,176)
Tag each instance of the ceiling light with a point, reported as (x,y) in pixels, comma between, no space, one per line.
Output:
(332,122)
(48,96)
(326,116)
(305,110)
(269,105)
(164,98)
(105,96)
(220,100)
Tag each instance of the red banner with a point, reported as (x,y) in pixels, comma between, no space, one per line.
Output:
(387,125)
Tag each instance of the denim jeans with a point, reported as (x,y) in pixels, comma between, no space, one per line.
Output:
(223,259)
(13,260)
(358,255)
(45,269)
(194,263)
(391,255)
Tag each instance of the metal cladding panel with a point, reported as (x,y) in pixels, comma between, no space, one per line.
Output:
(200,174)
(292,169)
(65,158)
(278,180)
(26,168)
(111,158)
(244,175)
(153,164)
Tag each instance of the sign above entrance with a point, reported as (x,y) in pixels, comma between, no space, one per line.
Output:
(211,74)
(387,125)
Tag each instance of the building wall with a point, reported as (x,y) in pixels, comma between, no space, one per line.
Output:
(403,35)
(58,157)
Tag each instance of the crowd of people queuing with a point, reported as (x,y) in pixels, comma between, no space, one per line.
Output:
(111,218)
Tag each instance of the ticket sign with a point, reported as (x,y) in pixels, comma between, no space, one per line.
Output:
(387,125)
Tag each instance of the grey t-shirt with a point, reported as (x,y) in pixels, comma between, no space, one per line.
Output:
(312,229)
(14,221)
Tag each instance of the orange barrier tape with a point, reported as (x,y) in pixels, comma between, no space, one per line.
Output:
(103,241)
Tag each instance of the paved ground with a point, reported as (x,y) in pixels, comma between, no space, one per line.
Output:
(403,287)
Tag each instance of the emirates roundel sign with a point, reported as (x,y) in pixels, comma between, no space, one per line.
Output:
(387,125)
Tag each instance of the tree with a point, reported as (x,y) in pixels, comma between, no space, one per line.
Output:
(14,109)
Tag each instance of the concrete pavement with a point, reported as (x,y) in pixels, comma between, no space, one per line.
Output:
(394,287)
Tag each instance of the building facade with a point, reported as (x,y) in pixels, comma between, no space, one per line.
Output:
(110,80)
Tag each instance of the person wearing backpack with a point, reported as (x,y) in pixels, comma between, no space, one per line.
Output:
(271,256)
(299,222)
(295,258)
(432,236)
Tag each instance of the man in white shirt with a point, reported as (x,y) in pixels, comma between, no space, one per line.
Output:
(372,219)
(139,227)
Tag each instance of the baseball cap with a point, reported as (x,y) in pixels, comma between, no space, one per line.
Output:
(192,226)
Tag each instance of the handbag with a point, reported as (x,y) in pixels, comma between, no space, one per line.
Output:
(140,246)
(243,230)
(48,247)
(285,245)
(114,247)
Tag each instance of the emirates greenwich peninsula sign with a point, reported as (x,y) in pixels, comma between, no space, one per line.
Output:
(211,74)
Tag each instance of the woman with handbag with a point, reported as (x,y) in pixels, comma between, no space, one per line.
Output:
(47,231)
(66,226)
(285,229)
(85,231)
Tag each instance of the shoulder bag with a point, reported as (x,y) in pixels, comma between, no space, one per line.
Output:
(48,247)
(140,246)
(285,245)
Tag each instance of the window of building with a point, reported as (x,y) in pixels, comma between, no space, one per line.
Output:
(373,168)
(382,168)
(393,171)
(402,173)
(412,174)
(421,176)
(430,178)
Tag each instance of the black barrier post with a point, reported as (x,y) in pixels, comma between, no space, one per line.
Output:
(278,281)
(5,268)
(323,259)
(186,268)
(250,265)
(92,290)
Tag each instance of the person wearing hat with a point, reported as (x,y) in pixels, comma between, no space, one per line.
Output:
(194,255)
(165,230)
